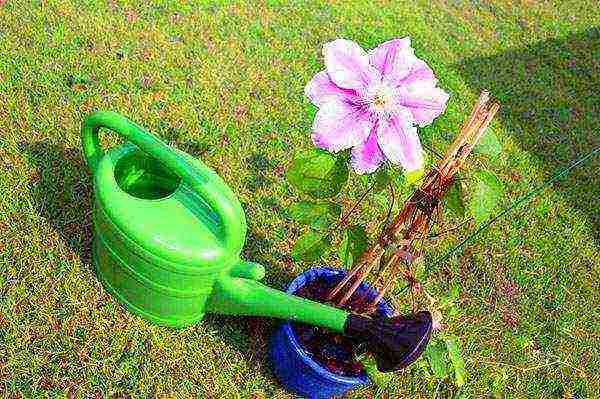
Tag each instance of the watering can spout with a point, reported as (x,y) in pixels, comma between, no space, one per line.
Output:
(394,342)
(240,293)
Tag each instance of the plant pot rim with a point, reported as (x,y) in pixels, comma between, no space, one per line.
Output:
(298,282)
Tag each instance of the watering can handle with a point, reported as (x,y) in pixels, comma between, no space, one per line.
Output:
(226,209)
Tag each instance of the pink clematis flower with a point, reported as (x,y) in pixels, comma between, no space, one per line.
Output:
(373,103)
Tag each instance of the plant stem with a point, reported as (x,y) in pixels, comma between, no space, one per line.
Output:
(344,218)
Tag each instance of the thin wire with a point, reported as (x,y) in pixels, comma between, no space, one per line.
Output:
(430,148)
(345,217)
(388,217)
(556,176)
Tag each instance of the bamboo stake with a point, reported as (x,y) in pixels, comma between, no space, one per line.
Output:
(415,220)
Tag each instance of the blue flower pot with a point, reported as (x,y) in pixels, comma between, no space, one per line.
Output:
(294,367)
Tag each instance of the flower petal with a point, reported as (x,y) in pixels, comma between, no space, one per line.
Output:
(348,64)
(367,157)
(394,59)
(320,88)
(398,139)
(339,125)
(420,71)
(424,101)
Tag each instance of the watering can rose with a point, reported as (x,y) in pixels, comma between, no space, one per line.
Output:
(373,102)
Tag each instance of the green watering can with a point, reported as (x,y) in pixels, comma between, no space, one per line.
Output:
(168,237)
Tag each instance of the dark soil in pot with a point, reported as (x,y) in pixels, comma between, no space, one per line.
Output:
(330,349)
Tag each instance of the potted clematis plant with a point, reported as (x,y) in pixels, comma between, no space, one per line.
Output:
(370,106)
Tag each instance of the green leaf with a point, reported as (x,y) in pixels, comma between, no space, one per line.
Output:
(353,245)
(423,367)
(382,179)
(414,177)
(318,215)
(486,196)
(318,173)
(310,247)
(454,292)
(489,144)
(379,379)
(436,355)
(451,296)
(460,374)
(452,311)
(453,199)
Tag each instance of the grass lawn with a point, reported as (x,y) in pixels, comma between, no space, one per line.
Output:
(224,82)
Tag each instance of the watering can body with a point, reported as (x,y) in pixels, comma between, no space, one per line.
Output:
(168,233)
(158,247)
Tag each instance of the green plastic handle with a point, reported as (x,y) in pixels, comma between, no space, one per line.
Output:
(228,211)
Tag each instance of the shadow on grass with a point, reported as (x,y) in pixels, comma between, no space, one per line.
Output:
(62,195)
(549,93)
(61,192)
(250,335)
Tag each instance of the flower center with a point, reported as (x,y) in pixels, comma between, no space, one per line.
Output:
(380,98)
